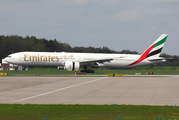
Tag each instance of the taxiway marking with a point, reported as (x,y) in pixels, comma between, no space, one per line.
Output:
(59,89)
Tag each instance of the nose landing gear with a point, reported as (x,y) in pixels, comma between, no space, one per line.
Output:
(16,69)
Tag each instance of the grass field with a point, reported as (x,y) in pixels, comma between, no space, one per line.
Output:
(161,70)
(87,112)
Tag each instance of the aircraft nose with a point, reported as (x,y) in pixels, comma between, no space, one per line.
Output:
(6,59)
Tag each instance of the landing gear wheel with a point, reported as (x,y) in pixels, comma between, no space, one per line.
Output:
(16,69)
(89,71)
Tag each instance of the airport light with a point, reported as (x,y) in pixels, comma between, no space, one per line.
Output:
(119,118)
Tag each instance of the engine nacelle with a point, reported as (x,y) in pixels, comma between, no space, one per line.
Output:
(71,66)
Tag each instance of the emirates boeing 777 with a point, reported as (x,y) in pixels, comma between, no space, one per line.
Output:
(73,61)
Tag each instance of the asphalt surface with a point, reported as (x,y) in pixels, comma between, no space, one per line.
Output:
(90,90)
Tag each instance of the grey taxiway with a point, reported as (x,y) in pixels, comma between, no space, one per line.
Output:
(90,90)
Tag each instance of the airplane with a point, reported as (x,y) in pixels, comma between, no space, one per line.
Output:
(74,61)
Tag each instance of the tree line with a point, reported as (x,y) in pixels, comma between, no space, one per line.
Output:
(14,43)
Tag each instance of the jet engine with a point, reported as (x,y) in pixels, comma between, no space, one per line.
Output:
(71,66)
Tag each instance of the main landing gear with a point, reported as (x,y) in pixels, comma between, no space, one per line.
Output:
(87,69)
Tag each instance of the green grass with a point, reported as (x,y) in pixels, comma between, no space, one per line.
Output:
(159,70)
(87,112)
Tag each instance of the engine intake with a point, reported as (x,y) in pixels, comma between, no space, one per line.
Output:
(71,66)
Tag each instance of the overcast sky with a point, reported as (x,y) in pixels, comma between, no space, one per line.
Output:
(117,24)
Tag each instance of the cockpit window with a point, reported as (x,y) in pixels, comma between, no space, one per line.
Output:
(9,56)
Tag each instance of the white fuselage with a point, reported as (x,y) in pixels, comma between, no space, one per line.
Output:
(59,58)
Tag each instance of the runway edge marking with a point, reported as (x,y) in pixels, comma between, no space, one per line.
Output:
(59,89)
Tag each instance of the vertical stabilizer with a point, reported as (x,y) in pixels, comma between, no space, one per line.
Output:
(158,45)
(154,50)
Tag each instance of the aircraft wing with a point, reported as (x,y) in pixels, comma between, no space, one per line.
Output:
(89,60)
